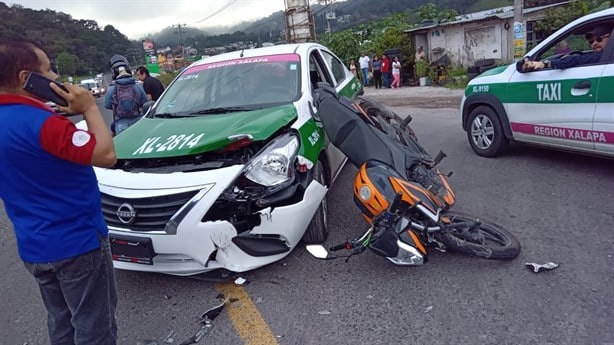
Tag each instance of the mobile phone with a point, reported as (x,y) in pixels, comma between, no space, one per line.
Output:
(38,85)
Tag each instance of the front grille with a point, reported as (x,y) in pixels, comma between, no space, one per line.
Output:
(152,213)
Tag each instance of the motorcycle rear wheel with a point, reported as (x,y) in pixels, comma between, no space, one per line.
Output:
(491,241)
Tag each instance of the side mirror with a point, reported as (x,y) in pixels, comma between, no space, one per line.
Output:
(317,251)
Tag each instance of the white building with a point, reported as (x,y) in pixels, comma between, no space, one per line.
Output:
(477,36)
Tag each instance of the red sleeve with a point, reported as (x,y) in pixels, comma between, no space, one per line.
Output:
(61,138)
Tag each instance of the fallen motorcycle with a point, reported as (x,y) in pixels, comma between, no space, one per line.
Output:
(399,191)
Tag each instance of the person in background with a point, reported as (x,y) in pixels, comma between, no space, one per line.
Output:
(124,97)
(386,70)
(597,38)
(563,48)
(353,69)
(396,72)
(420,54)
(365,64)
(152,86)
(376,66)
(50,194)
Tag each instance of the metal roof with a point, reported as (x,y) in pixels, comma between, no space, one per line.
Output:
(501,13)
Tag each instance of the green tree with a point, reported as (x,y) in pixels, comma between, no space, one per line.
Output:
(67,64)
(345,44)
(431,11)
(558,16)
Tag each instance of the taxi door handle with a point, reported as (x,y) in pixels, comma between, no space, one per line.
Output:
(584,84)
(581,88)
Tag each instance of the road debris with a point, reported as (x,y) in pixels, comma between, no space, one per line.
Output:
(169,338)
(541,267)
(324,312)
(205,321)
(429,308)
(241,281)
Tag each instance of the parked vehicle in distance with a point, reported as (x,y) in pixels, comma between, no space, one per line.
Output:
(229,169)
(94,86)
(567,109)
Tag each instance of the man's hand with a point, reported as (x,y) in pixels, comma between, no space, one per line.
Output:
(79,99)
(532,65)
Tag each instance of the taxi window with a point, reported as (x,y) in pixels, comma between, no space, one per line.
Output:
(335,65)
(572,43)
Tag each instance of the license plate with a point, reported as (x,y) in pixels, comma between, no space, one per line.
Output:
(137,250)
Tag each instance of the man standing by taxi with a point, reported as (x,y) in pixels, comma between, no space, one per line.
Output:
(51,196)
(152,86)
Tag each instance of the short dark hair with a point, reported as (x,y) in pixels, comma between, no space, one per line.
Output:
(17,55)
(142,70)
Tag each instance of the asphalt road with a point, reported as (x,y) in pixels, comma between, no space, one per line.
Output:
(558,204)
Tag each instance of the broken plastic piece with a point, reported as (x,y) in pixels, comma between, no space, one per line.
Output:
(240,281)
(541,267)
(169,338)
(212,313)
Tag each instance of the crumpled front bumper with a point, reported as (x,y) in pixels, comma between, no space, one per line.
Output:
(195,246)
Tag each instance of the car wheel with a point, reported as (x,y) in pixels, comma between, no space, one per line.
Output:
(485,133)
(317,232)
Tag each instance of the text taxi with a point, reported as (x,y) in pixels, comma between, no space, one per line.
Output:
(566,106)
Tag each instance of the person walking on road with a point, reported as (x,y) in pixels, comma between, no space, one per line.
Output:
(152,86)
(51,196)
(124,97)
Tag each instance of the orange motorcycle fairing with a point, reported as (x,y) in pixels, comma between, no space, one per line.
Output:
(413,193)
(449,196)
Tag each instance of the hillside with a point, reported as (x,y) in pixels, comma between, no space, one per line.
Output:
(361,11)
(83,47)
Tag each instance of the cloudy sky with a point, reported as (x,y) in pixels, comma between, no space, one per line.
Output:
(135,18)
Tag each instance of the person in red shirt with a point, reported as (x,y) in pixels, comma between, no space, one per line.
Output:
(50,194)
(386,70)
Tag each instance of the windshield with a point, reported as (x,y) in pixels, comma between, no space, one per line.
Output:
(233,85)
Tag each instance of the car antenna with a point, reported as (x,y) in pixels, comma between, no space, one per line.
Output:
(242,52)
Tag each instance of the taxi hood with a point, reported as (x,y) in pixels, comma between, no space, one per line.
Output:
(175,137)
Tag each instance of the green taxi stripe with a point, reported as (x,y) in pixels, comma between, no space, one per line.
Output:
(558,91)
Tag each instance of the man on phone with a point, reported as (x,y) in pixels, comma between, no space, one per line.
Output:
(51,195)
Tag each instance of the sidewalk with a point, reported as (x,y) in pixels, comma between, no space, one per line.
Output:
(418,96)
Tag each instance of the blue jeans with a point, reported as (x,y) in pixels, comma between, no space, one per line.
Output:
(80,296)
(387,80)
(120,125)
(365,76)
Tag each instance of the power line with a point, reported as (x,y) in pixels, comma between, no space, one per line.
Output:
(216,12)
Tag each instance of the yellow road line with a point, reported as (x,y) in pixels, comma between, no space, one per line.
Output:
(246,319)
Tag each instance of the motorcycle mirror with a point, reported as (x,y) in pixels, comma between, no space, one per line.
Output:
(317,250)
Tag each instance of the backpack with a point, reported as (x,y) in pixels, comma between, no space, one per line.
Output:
(125,101)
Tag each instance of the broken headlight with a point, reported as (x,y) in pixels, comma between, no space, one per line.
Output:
(274,164)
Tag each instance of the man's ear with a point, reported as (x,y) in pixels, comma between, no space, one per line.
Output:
(22,76)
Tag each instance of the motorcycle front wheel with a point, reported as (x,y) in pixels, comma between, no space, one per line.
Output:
(488,240)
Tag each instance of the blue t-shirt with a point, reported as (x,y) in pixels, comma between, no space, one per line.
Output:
(54,204)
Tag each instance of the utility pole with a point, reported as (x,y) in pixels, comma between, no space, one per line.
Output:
(328,16)
(180,32)
(520,39)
